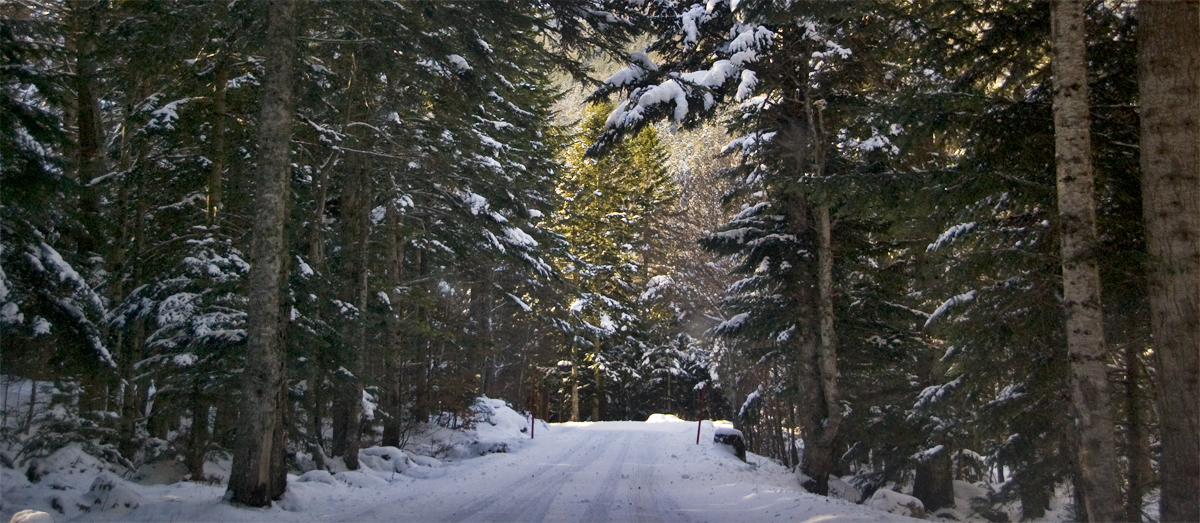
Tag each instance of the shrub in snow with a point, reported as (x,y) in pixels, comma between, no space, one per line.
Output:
(111,492)
(61,433)
(70,459)
(11,479)
(732,440)
(496,425)
(662,418)
(497,413)
(885,500)
(385,459)
(196,323)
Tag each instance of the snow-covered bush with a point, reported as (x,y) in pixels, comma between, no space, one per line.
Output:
(57,424)
(885,500)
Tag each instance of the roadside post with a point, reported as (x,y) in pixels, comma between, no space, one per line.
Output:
(700,414)
(532,410)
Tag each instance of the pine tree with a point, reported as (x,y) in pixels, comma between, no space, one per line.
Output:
(613,207)
(995,234)
(259,476)
(1081,276)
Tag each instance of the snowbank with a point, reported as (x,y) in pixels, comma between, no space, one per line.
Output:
(841,489)
(385,459)
(893,502)
(72,484)
(730,439)
(617,471)
(31,516)
(497,429)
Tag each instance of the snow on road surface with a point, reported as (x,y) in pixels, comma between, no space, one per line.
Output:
(585,472)
(623,471)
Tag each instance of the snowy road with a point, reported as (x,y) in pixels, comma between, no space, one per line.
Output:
(617,471)
(573,472)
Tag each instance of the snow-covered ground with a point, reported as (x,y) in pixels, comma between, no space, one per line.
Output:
(613,471)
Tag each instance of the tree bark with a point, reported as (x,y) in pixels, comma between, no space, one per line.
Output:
(574,388)
(1137,434)
(393,359)
(198,436)
(817,459)
(316,238)
(356,211)
(85,24)
(819,396)
(827,352)
(1081,276)
(252,481)
(934,482)
(1169,90)
(216,172)
(481,315)
(597,379)
(818,369)
(316,409)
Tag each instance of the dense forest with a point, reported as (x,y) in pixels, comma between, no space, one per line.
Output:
(906,241)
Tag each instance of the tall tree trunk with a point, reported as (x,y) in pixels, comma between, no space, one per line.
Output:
(481,315)
(597,382)
(1081,277)
(818,372)
(198,436)
(574,386)
(934,482)
(137,339)
(1169,89)
(356,213)
(130,339)
(216,171)
(394,356)
(820,403)
(827,353)
(316,238)
(85,21)
(817,460)
(252,481)
(1137,434)
(423,400)
(316,408)
(277,468)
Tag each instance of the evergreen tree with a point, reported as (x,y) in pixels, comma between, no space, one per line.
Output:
(614,208)
(259,474)
(1081,275)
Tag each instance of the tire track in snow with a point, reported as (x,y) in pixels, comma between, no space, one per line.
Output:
(601,505)
(530,498)
(651,503)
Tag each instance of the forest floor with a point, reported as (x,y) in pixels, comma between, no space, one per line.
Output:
(595,472)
